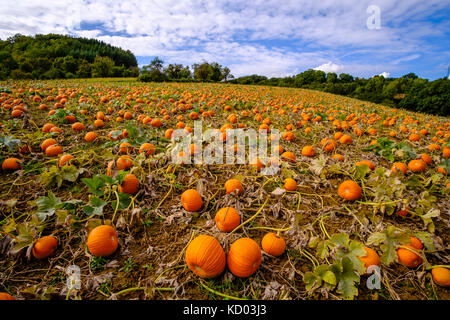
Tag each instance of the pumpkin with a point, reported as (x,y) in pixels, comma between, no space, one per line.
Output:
(130,184)
(64,159)
(227,219)
(290,184)
(11,164)
(102,241)
(417,165)
(366,162)
(90,136)
(407,257)
(273,244)
(53,150)
(148,148)
(6,296)
(349,190)
(244,257)
(78,126)
(125,147)
(289,156)
(233,185)
(399,166)
(371,258)
(47,143)
(308,151)
(191,200)
(441,276)
(257,163)
(205,257)
(44,247)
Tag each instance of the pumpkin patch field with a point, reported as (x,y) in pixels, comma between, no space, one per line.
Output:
(93,207)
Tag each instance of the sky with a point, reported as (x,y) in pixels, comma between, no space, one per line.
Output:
(272,38)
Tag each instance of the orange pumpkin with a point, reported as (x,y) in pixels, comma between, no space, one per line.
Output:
(349,190)
(366,162)
(205,257)
(102,241)
(346,139)
(288,156)
(371,258)
(125,147)
(90,136)
(53,150)
(244,257)
(273,244)
(6,296)
(399,166)
(64,159)
(417,165)
(290,184)
(308,151)
(233,185)
(130,184)
(191,200)
(44,247)
(407,257)
(47,143)
(78,126)
(124,162)
(257,163)
(441,276)
(148,148)
(227,219)
(11,164)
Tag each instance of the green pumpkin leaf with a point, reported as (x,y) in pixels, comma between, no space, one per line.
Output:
(95,207)
(124,201)
(47,205)
(354,251)
(347,279)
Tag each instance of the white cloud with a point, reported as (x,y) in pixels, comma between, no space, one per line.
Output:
(240,34)
(385,74)
(330,67)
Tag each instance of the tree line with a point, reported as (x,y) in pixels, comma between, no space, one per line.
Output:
(201,72)
(408,92)
(55,56)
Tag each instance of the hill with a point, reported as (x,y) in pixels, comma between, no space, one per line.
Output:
(55,56)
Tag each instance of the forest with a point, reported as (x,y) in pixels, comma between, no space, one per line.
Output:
(55,56)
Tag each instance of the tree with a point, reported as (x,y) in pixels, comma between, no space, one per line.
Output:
(155,64)
(70,64)
(216,72)
(154,75)
(226,74)
(177,72)
(102,67)
(346,78)
(202,71)
(84,69)
(410,76)
(332,77)
(20,74)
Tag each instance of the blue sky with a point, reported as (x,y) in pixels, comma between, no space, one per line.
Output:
(271,38)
